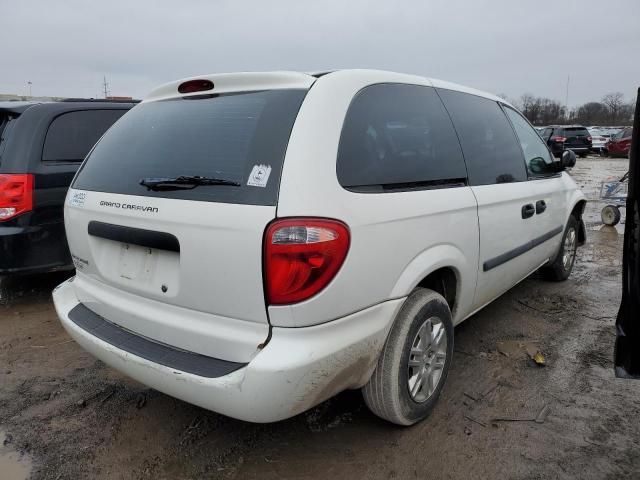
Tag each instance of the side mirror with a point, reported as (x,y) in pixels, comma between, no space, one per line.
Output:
(568,159)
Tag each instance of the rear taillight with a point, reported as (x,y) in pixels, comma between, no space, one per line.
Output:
(16,195)
(558,139)
(588,139)
(301,257)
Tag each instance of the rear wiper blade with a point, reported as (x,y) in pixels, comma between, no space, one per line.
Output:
(184,182)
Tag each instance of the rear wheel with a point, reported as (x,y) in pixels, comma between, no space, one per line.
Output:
(562,265)
(415,361)
(610,215)
(582,155)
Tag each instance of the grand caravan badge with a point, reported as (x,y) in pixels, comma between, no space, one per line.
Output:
(129,206)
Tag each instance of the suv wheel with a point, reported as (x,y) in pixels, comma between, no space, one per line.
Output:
(561,267)
(414,363)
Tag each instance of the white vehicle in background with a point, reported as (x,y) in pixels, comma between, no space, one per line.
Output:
(255,243)
(599,139)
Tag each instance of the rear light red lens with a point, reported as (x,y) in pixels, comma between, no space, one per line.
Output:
(16,195)
(559,139)
(192,86)
(301,257)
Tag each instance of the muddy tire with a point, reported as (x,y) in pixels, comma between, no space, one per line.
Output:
(414,362)
(561,267)
(610,215)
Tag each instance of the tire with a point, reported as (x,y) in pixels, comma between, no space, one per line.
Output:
(610,215)
(582,155)
(387,393)
(561,267)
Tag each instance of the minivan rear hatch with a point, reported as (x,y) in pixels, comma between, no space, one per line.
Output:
(166,217)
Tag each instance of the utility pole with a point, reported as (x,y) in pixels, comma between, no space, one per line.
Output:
(566,97)
(105,86)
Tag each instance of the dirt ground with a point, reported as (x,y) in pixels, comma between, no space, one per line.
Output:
(64,414)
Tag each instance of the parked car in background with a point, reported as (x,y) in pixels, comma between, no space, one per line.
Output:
(619,144)
(41,147)
(599,139)
(281,237)
(567,137)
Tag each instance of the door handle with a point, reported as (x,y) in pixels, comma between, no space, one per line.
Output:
(528,210)
(541,206)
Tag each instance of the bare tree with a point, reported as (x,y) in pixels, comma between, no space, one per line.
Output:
(612,110)
(592,113)
(614,102)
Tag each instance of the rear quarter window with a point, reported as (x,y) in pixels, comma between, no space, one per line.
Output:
(6,125)
(241,137)
(71,135)
(398,136)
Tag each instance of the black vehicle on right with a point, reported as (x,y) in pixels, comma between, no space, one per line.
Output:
(567,137)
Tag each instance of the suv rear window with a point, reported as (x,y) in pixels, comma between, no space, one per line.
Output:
(71,135)
(396,137)
(576,132)
(227,136)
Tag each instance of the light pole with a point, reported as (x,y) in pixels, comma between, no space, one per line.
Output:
(29,83)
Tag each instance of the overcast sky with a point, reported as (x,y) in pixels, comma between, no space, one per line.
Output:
(502,46)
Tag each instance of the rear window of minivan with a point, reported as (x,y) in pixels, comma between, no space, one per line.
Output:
(241,137)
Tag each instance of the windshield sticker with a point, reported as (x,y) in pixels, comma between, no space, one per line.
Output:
(259,176)
(77,199)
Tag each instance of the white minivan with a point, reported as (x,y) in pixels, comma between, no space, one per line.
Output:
(255,243)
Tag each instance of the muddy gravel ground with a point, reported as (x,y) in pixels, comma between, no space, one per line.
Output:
(64,414)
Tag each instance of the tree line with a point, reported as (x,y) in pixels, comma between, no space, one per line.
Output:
(611,110)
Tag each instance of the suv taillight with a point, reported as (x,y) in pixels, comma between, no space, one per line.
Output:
(558,139)
(301,257)
(16,195)
(589,139)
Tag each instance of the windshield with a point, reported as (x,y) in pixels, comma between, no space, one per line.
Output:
(238,137)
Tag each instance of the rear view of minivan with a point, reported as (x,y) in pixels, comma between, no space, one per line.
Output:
(255,243)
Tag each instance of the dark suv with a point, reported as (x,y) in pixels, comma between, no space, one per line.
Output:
(567,137)
(41,147)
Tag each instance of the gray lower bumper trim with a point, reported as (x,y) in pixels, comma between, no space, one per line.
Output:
(166,355)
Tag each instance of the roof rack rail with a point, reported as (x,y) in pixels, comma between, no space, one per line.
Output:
(102,100)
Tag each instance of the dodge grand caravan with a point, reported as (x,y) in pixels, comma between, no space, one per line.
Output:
(255,243)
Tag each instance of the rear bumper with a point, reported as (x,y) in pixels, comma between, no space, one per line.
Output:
(297,369)
(558,148)
(33,249)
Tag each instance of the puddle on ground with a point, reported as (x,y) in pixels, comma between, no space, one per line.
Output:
(517,348)
(13,465)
